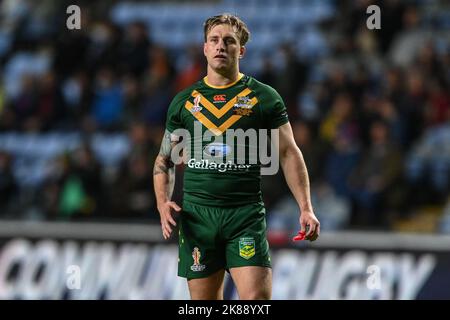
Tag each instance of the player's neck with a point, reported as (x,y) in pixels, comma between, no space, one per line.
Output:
(216,79)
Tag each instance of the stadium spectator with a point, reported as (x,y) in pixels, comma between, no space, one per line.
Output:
(134,49)
(81,193)
(132,196)
(107,104)
(374,177)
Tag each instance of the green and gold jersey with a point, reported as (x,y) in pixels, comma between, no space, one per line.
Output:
(221,124)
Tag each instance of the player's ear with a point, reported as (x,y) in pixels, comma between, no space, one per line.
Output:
(242,51)
(204,48)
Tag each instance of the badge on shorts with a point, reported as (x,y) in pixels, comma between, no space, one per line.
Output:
(247,247)
(196,256)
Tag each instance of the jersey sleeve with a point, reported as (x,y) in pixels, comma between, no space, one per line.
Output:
(173,119)
(275,112)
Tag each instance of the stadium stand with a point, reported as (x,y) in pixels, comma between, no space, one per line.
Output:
(82,111)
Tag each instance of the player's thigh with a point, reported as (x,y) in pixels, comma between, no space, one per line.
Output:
(200,255)
(245,236)
(252,282)
(247,252)
(209,288)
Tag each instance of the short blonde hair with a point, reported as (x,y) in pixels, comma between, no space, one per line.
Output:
(236,23)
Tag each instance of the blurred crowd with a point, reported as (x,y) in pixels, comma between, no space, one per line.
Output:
(370,110)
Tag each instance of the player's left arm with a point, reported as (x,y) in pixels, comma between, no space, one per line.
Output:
(296,175)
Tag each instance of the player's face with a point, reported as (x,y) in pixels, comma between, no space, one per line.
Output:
(222,48)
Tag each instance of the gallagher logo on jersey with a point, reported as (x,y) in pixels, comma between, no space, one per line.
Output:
(217,149)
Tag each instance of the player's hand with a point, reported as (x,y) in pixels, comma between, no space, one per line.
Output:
(309,225)
(166,211)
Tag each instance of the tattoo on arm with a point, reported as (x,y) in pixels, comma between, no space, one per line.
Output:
(166,145)
(163,163)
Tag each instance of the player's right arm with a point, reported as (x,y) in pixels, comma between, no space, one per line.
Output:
(164,181)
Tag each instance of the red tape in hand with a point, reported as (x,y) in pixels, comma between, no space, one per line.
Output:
(299,236)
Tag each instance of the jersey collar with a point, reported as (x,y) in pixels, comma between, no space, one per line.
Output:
(205,80)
